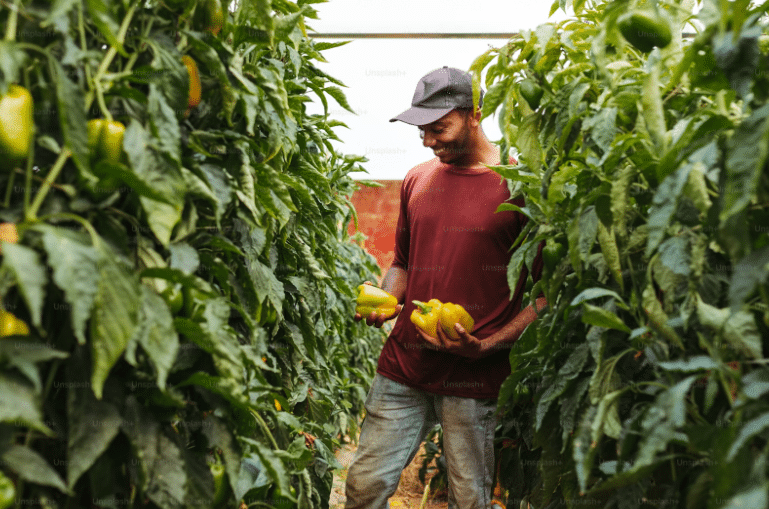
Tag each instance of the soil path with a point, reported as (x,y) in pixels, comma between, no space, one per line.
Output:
(410,489)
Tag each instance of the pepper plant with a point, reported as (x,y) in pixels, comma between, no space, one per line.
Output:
(644,166)
(182,264)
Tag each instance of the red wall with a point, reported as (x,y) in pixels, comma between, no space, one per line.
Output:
(377,209)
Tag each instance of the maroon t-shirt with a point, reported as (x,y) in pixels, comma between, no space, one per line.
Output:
(454,248)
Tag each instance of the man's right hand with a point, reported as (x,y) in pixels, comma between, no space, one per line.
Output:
(377,320)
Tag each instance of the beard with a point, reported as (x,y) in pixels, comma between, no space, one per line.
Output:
(458,149)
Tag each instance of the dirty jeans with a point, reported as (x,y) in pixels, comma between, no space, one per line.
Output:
(397,419)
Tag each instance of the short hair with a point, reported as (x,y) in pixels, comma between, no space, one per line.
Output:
(467,112)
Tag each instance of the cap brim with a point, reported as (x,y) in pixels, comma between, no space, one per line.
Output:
(421,116)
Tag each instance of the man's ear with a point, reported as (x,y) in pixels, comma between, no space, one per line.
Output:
(475,117)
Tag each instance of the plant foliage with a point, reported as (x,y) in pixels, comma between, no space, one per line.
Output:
(648,369)
(190,303)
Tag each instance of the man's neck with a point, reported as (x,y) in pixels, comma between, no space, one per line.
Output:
(486,153)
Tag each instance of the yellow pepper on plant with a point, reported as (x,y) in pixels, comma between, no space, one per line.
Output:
(194,92)
(105,139)
(12,326)
(8,233)
(17,123)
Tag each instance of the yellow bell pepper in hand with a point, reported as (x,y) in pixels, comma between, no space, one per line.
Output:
(452,314)
(371,298)
(427,315)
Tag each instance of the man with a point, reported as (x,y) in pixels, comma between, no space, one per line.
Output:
(452,246)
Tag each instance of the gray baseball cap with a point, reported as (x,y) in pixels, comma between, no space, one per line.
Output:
(437,93)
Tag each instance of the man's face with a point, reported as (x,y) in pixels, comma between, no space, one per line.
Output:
(449,137)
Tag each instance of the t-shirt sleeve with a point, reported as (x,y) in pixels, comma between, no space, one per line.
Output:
(402,233)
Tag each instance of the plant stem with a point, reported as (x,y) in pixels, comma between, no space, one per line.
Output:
(10,29)
(8,189)
(100,99)
(425,496)
(110,55)
(31,213)
(83,42)
(95,239)
(264,427)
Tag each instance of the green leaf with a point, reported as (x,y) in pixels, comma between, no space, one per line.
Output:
(746,155)
(219,435)
(596,293)
(605,379)
(628,477)
(664,206)
(753,497)
(155,172)
(584,449)
(691,365)
(32,467)
(494,97)
(658,319)
(76,272)
(132,180)
(158,459)
(594,315)
(258,14)
(606,419)
(569,406)
(91,425)
(24,356)
(749,430)
(662,419)
(217,179)
(156,334)
(12,59)
(59,9)
(575,363)
(265,282)
(750,272)
(114,320)
(674,254)
(165,126)
(602,127)
(339,96)
(756,383)
(184,257)
(570,370)
(738,328)
(653,113)
(199,485)
(102,14)
(24,264)
(271,462)
(72,118)
(20,404)
(528,142)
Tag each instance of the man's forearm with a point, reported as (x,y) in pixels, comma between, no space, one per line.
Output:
(505,337)
(394,283)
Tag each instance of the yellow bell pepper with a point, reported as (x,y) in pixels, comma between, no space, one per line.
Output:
(427,315)
(452,314)
(371,298)
(11,326)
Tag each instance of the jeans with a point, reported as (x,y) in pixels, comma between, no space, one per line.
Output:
(397,419)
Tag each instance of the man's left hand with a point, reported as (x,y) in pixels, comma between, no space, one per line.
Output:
(467,345)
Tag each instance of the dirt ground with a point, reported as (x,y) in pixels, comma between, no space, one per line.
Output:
(410,490)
